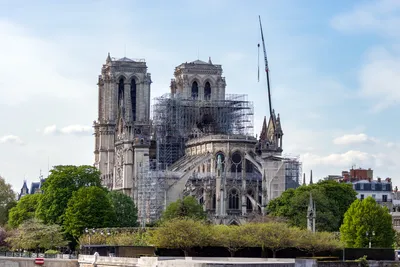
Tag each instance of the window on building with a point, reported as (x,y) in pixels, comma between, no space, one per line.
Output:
(133,99)
(222,156)
(249,205)
(233,200)
(384,198)
(372,186)
(201,200)
(362,196)
(207,91)
(361,186)
(236,165)
(214,201)
(195,90)
(383,187)
(373,196)
(121,97)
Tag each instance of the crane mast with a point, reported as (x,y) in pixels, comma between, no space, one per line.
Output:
(267,73)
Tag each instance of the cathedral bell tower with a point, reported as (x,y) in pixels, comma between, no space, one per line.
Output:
(122,130)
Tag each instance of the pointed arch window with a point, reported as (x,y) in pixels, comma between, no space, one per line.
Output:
(133,98)
(222,157)
(249,205)
(195,90)
(207,91)
(121,97)
(214,201)
(236,165)
(233,200)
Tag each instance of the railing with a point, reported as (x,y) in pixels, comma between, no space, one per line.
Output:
(37,255)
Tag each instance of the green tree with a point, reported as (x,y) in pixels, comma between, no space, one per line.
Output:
(34,235)
(186,208)
(367,216)
(273,235)
(3,236)
(332,200)
(7,200)
(180,233)
(124,208)
(230,237)
(24,210)
(88,207)
(317,242)
(58,189)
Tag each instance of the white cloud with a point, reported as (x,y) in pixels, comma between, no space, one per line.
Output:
(379,78)
(76,129)
(11,139)
(32,68)
(339,159)
(68,130)
(52,129)
(379,16)
(349,139)
(379,75)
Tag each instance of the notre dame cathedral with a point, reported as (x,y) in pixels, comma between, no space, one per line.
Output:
(194,140)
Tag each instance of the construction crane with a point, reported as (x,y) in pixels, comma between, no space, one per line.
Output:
(267,73)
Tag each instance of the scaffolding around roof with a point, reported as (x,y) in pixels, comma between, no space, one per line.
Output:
(293,171)
(177,120)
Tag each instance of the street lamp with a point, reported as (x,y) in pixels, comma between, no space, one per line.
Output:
(370,237)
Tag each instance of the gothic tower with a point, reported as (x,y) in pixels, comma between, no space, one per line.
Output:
(122,130)
(199,80)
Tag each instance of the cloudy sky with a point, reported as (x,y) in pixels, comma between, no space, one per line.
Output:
(335,70)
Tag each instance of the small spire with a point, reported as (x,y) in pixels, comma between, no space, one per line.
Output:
(264,130)
(108,58)
(209,60)
(304,178)
(311,180)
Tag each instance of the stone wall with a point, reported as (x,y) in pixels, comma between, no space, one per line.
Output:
(30,262)
(90,261)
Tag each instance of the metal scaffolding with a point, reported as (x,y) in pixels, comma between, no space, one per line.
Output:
(178,120)
(151,194)
(293,171)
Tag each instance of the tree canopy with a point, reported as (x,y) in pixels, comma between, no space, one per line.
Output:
(7,200)
(58,189)
(366,221)
(3,236)
(186,208)
(273,235)
(33,234)
(332,201)
(231,237)
(124,208)
(24,210)
(186,233)
(182,234)
(88,207)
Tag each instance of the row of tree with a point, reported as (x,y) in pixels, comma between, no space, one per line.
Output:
(187,233)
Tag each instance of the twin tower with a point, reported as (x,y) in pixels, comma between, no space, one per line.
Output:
(123,130)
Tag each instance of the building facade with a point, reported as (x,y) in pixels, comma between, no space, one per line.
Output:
(380,190)
(198,142)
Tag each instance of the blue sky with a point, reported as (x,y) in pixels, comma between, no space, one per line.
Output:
(334,67)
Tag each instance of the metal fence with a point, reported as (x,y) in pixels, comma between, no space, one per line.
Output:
(37,255)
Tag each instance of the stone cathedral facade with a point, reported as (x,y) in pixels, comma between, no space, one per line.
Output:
(199,141)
